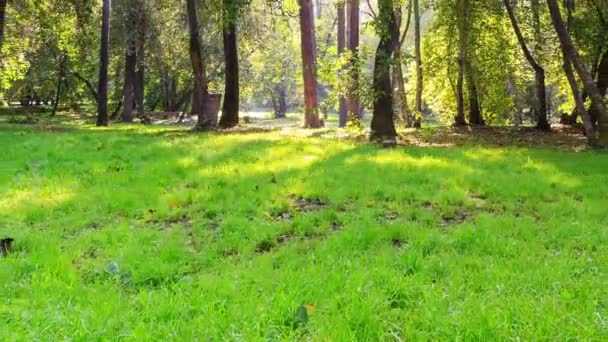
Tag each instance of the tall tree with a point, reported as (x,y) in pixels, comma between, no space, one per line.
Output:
(309,64)
(383,125)
(140,69)
(102,89)
(230,109)
(539,73)
(571,53)
(419,76)
(129,82)
(352,45)
(341,46)
(461,10)
(399,94)
(198,68)
(2,19)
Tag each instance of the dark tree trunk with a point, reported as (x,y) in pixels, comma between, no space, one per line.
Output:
(230,109)
(309,64)
(352,44)
(60,81)
(140,84)
(343,117)
(419,76)
(475,117)
(102,91)
(571,53)
(198,69)
(129,84)
(2,21)
(602,85)
(279,102)
(539,73)
(383,126)
(462,6)
(580,103)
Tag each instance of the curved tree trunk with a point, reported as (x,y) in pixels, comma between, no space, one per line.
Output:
(309,64)
(102,91)
(198,69)
(580,103)
(539,73)
(383,126)
(230,109)
(571,53)
(602,85)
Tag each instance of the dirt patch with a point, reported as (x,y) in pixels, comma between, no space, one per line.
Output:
(307,205)
(265,246)
(561,137)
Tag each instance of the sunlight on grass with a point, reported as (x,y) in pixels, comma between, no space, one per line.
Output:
(226,236)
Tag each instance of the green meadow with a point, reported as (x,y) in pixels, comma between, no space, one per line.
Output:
(158,233)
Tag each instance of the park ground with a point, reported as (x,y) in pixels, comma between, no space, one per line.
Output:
(158,233)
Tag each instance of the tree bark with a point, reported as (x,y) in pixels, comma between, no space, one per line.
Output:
(580,103)
(462,5)
(383,126)
(129,84)
(475,117)
(2,21)
(571,53)
(140,84)
(60,81)
(309,64)
(352,45)
(230,109)
(539,73)
(343,117)
(102,91)
(419,75)
(198,68)
(602,85)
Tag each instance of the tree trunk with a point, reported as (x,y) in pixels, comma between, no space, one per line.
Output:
(580,103)
(571,53)
(383,126)
(352,44)
(309,64)
(102,91)
(419,75)
(198,69)
(140,84)
(539,73)
(230,109)
(475,117)
(60,80)
(602,85)
(129,84)
(2,21)
(462,47)
(343,117)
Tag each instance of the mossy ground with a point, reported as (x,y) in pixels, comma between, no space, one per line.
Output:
(161,234)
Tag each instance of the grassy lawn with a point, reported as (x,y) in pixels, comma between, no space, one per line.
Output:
(159,234)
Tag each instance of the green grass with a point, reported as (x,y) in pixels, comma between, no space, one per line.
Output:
(158,234)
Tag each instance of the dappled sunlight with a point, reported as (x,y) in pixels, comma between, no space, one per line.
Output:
(403,159)
(46,197)
(552,173)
